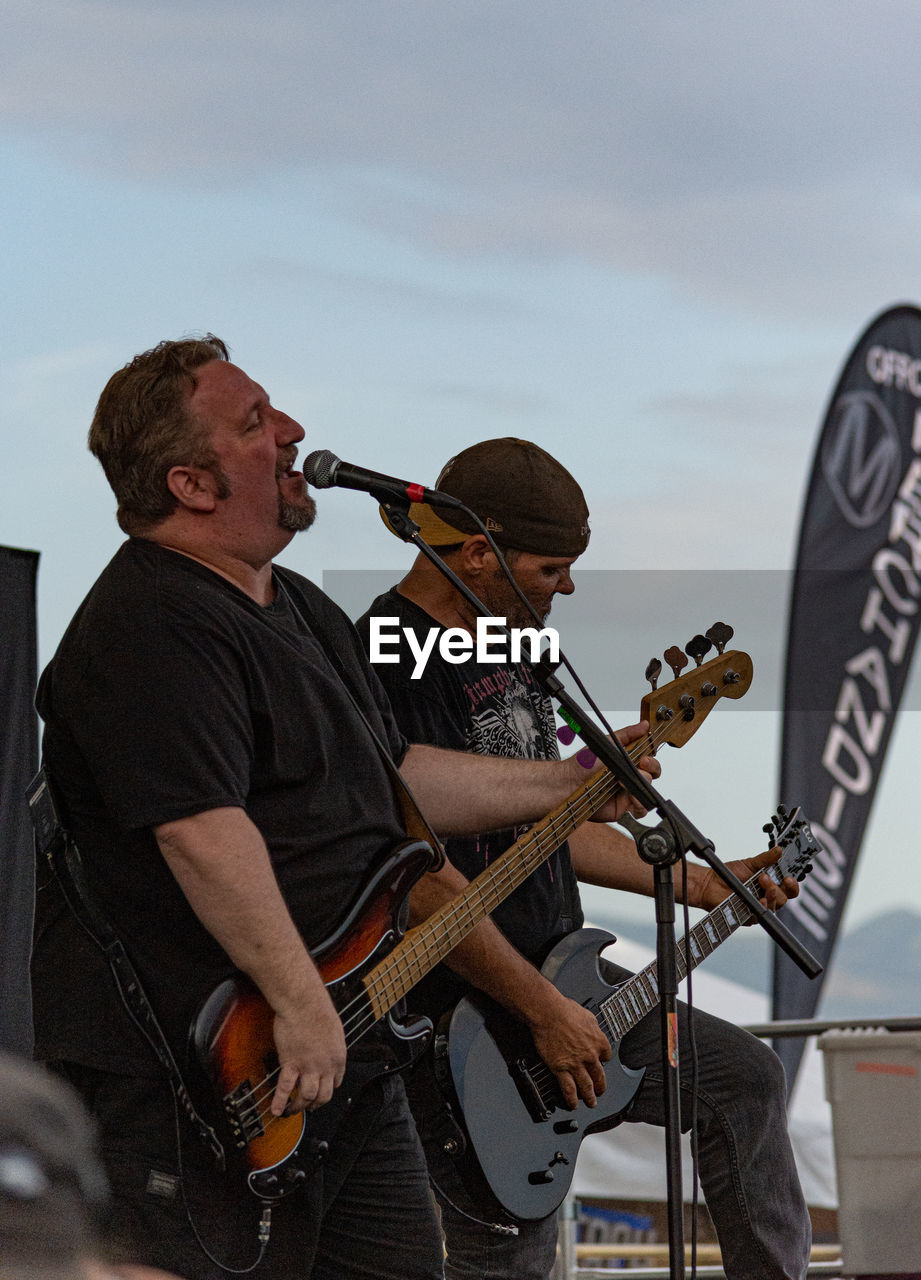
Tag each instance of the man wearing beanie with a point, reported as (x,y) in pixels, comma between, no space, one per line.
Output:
(538,516)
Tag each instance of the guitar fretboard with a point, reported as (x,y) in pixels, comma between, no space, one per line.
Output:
(640,994)
(427,944)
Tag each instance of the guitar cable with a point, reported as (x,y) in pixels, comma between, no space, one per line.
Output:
(265,1218)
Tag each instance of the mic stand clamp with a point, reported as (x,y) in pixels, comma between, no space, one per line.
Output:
(402,523)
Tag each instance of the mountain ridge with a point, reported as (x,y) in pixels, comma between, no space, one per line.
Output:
(875,969)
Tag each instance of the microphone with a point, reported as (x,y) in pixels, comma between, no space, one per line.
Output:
(324,470)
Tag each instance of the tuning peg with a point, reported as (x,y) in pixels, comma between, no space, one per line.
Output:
(653,671)
(720,633)
(697,646)
(768,829)
(676,658)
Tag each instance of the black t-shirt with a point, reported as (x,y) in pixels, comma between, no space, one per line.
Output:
(491,709)
(173,693)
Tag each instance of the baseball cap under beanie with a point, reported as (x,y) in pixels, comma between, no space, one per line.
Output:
(526,499)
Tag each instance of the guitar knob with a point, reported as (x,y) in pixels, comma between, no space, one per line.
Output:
(720,633)
(540,1177)
(698,647)
(676,659)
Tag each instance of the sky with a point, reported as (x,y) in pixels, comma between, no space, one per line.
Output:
(642,234)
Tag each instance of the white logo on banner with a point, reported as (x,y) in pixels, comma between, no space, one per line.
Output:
(861,458)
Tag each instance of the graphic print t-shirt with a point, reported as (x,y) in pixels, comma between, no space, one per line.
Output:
(494,708)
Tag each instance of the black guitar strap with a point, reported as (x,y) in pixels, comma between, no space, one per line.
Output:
(54,842)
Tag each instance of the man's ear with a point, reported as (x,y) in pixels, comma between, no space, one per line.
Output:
(475,553)
(193,487)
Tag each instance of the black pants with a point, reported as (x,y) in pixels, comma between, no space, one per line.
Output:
(366,1213)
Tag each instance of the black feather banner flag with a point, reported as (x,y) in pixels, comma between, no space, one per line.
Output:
(854,616)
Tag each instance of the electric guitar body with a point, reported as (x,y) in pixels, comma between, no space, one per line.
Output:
(515,1120)
(232,1037)
(526,1143)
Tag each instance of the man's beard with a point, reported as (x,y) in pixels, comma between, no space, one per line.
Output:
(500,597)
(292,517)
(295,518)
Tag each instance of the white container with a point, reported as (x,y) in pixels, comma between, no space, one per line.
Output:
(873,1082)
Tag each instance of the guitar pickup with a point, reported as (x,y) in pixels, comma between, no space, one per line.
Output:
(531,1096)
(243,1113)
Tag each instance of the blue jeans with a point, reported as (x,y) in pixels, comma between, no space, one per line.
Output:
(366,1214)
(747,1170)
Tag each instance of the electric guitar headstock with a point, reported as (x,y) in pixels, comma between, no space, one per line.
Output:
(794,836)
(676,710)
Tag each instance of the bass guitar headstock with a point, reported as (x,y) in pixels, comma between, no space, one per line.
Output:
(676,710)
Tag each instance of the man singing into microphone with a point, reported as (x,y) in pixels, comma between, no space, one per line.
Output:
(208,729)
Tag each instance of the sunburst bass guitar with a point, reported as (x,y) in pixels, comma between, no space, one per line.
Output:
(372,961)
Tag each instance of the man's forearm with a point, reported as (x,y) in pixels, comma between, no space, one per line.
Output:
(463,794)
(221,864)
(604,856)
(485,958)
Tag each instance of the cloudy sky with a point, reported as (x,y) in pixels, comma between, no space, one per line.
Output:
(642,234)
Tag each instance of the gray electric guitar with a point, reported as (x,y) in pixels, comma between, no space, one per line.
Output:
(524,1137)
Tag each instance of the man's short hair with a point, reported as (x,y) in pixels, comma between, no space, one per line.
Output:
(143,426)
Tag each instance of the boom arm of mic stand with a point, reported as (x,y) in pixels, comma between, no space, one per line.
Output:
(686,836)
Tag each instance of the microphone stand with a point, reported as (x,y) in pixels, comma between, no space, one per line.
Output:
(661,846)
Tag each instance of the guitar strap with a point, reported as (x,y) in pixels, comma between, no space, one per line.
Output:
(413,819)
(55,843)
